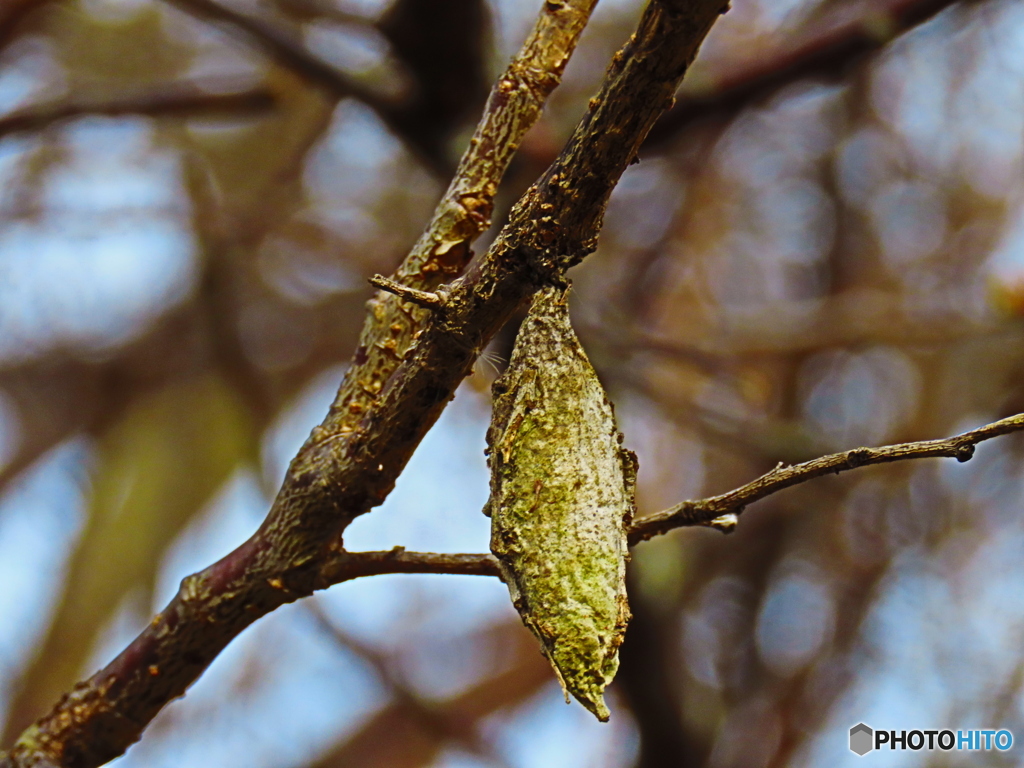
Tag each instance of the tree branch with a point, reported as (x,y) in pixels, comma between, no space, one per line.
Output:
(706,511)
(345,566)
(280,47)
(174,100)
(289,52)
(826,53)
(12,14)
(344,469)
(464,213)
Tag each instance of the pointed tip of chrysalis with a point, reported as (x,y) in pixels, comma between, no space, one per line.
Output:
(597,706)
(592,699)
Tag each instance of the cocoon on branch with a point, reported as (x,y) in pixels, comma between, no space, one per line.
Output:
(562,496)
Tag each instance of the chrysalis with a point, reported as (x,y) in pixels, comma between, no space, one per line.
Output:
(562,495)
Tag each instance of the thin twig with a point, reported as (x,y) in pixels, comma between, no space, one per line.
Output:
(720,511)
(284,49)
(345,566)
(432,300)
(180,100)
(705,511)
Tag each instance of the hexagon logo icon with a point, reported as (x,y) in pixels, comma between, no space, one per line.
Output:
(861,739)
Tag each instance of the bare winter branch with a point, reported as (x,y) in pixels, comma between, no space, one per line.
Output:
(719,512)
(424,299)
(180,100)
(706,511)
(280,47)
(345,566)
(464,212)
(826,52)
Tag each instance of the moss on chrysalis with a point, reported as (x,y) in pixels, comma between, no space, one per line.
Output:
(562,496)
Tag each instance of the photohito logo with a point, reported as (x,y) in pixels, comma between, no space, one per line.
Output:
(861,739)
(864,739)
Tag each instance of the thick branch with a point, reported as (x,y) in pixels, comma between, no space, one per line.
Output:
(464,213)
(174,100)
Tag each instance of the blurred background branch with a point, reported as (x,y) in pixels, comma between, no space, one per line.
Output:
(836,38)
(177,100)
(279,46)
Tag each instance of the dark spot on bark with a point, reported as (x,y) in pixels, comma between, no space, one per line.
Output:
(856,457)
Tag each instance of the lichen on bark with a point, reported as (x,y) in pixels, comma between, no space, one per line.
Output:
(562,497)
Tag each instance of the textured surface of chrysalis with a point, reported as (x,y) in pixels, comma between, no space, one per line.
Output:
(562,494)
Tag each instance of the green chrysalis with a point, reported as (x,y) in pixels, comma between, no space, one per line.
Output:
(562,496)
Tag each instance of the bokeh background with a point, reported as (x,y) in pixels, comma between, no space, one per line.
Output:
(822,247)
